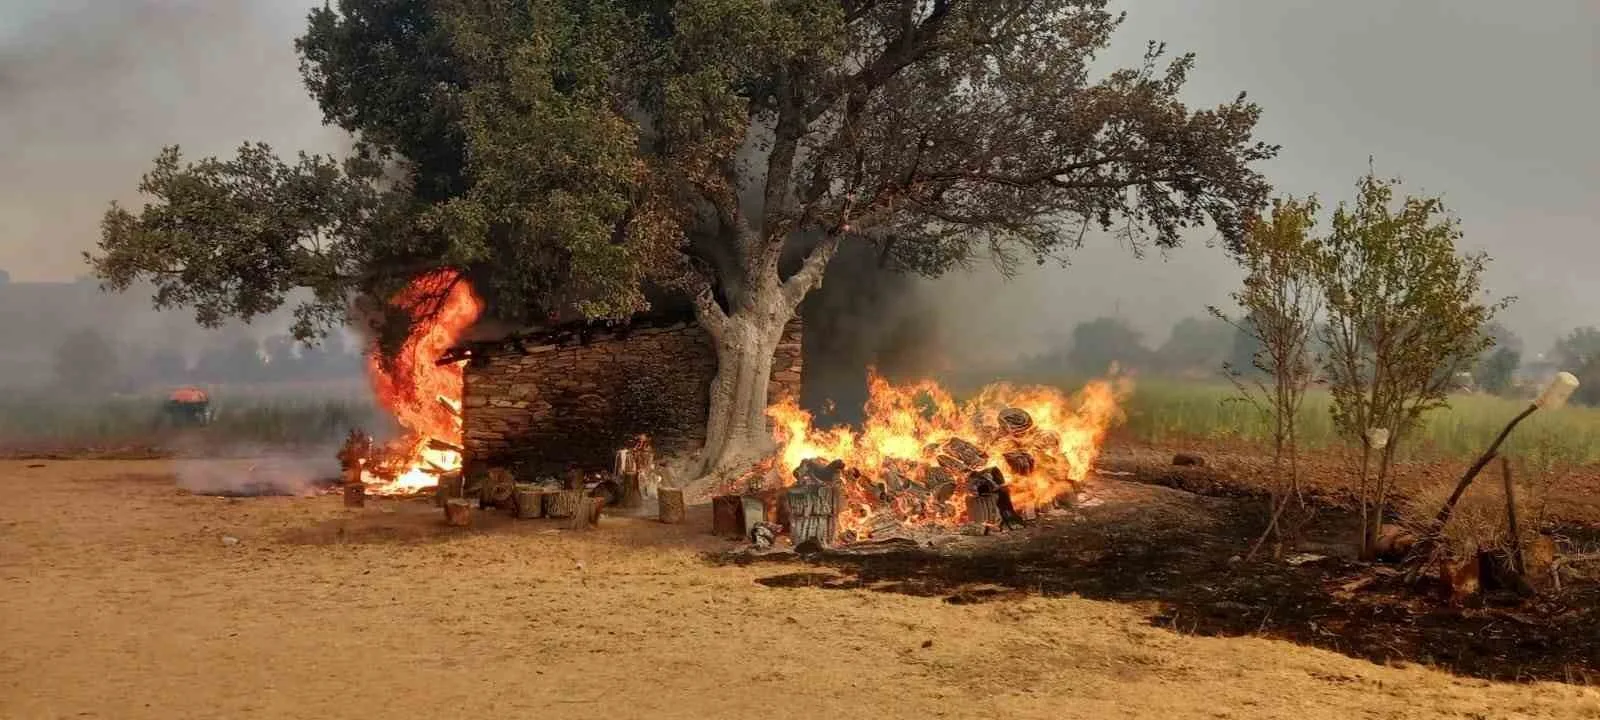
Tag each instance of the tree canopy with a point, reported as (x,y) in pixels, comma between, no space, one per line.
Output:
(571,156)
(558,149)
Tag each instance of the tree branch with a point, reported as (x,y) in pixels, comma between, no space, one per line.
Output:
(913,44)
(809,277)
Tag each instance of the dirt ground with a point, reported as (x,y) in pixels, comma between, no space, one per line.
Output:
(120,597)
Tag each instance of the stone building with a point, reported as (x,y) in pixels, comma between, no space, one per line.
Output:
(549,399)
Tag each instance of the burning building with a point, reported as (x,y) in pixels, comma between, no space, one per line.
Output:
(545,399)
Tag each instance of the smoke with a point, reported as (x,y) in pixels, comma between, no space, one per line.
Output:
(253,469)
(94,89)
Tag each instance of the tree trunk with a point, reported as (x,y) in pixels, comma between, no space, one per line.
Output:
(737,427)
(1380,490)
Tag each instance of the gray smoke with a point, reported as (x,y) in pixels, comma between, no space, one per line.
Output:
(92,90)
(249,470)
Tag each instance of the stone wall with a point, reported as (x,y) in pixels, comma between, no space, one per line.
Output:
(574,403)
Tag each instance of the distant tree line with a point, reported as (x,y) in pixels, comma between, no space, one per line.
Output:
(1198,348)
(88,362)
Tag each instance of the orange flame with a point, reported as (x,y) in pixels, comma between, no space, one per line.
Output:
(909,427)
(423,396)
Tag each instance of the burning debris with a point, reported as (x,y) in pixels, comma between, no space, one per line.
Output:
(924,463)
(422,395)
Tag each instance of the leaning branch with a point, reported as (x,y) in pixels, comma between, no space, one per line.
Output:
(810,274)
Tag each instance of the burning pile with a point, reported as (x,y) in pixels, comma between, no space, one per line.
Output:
(923,460)
(422,396)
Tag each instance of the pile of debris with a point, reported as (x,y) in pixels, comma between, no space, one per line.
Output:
(962,489)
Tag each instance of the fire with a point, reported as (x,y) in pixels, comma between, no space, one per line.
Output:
(918,450)
(423,396)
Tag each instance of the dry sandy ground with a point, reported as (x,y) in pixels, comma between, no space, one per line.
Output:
(120,599)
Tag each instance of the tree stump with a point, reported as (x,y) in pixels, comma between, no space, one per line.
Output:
(672,508)
(458,512)
(632,491)
(983,509)
(498,490)
(563,503)
(530,501)
(587,515)
(813,514)
(355,495)
(452,484)
(727,516)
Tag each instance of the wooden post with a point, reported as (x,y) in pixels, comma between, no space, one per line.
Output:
(587,515)
(563,503)
(672,507)
(458,512)
(984,509)
(813,514)
(632,493)
(355,495)
(727,513)
(1472,472)
(1518,564)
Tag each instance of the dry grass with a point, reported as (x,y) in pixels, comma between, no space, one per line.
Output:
(119,599)
(1479,521)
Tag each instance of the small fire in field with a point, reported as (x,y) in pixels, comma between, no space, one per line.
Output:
(920,454)
(423,396)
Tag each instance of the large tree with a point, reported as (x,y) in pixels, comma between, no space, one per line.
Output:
(567,154)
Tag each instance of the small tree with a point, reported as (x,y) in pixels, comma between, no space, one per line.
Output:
(1197,344)
(1281,301)
(1497,371)
(1104,341)
(1404,316)
(1577,348)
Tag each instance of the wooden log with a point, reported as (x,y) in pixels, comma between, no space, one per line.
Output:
(499,489)
(587,515)
(632,491)
(355,495)
(563,503)
(814,514)
(984,509)
(458,512)
(727,516)
(672,508)
(530,501)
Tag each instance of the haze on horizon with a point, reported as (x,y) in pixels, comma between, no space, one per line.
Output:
(1484,102)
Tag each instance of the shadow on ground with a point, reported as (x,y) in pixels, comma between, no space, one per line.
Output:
(1177,551)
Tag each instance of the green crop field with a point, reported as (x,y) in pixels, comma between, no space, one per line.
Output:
(1162,410)
(284,418)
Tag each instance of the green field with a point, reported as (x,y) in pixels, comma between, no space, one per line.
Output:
(1160,410)
(251,418)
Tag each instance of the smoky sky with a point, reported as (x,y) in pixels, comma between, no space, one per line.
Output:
(1491,104)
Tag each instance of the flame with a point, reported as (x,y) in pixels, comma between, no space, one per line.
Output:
(423,396)
(895,459)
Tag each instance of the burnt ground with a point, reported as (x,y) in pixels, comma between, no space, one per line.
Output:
(1178,555)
